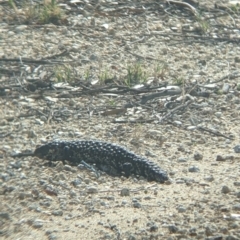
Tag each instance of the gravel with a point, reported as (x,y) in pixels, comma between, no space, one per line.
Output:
(69,81)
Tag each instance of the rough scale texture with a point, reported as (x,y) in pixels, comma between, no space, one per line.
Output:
(110,158)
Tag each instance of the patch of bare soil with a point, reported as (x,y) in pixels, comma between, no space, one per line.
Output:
(158,77)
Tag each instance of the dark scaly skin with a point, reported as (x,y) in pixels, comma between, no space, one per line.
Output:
(113,159)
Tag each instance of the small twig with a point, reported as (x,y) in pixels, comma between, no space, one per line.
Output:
(133,121)
(169,114)
(142,57)
(184,4)
(28,60)
(228,76)
(22,154)
(213,132)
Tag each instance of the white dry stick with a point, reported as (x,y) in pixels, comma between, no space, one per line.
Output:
(192,9)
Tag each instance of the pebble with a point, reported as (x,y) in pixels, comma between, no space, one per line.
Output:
(226,189)
(57,212)
(20,28)
(136,204)
(182,159)
(4,215)
(52,237)
(236,207)
(181,209)
(237,149)
(125,192)
(218,114)
(193,169)
(152,227)
(218,237)
(172,228)
(231,238)
(17,164)
(23,176)
(180,181)
(91,189)
(236,184)
(35,207)
(209,178)
(220,158)
(193,231)
(37,223)
(197,156)
(69,168)
(76,182)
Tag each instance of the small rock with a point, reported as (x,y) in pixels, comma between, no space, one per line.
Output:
(208,231)
(136,204)
(92,189)
(238,194)
(226,189)
(68,168)
(61,176)
(218,114)
(4,215)
(181,209)
(182,159)
(197,156)
(236,184)
(34,207)
(153,228)
(193,231)
(209,178)
(172,228)
(72,193)
(237,59)
(37,224)
(23,176)
(10,33)
(35,192)
(87,180)
(237,149)
(52,237)
(150,154)
(76,182)
(20,28)
(214,238)
(57,212)
(236,207)
(180,181)
(220,158)
(193,169)
(93,57)
(181,148)
(31,134)
(224,209)
(125,192)
(235,225)
(17,164)
(3,122)
(191,128)
(231,238)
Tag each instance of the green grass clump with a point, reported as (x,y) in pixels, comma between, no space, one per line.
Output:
(50,13)
(135,75)
(64,74)
(45,13)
